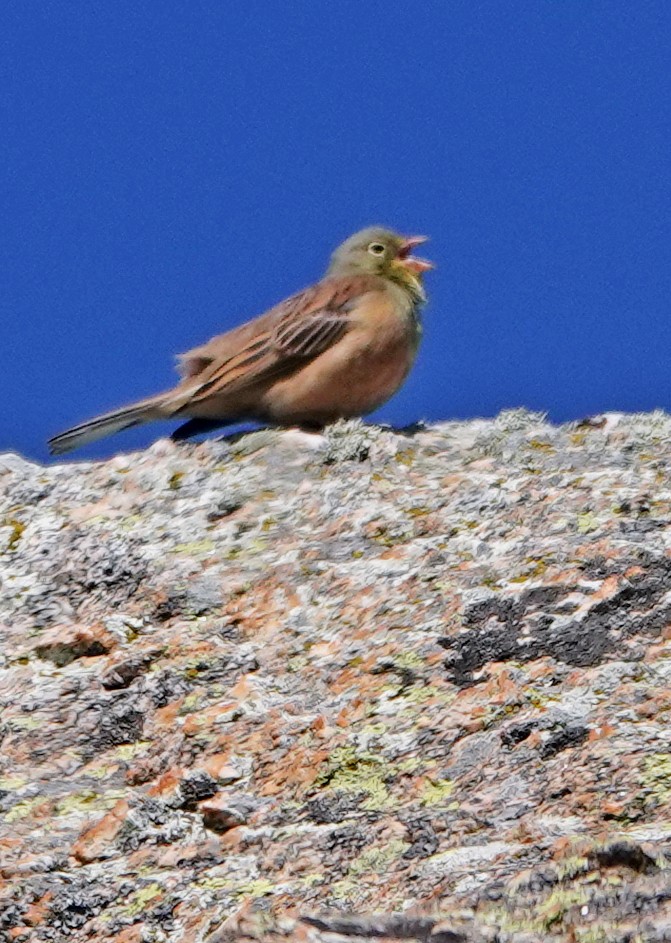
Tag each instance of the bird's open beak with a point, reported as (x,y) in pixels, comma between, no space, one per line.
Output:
(412,263)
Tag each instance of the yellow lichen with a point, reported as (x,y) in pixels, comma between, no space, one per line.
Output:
(587,522)
(141,898)
(23,809)
(196,547)
(17,529)
(436,791)
(377,860)
(255,889)
(175,480)
(349,771)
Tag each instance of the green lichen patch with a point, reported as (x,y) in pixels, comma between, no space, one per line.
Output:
(140,900)
(352,772)
(16,528)
(436,792)
(379,859)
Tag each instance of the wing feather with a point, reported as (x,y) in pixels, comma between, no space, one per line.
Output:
(287,336)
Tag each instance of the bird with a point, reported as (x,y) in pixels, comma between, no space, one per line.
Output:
(336,350)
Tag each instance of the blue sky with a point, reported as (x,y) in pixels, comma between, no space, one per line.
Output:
(168,170)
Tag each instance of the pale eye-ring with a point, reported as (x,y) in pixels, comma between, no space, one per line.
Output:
(376,248)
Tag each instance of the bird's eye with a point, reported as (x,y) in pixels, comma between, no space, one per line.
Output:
(376,248)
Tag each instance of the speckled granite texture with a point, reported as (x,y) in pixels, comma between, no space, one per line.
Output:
(373,684)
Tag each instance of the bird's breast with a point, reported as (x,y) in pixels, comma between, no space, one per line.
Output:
(357,374)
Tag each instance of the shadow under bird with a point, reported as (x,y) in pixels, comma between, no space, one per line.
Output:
(336,350)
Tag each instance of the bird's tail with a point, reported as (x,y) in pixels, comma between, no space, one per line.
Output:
(134,415)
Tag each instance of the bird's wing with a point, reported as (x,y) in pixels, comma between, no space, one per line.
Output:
(297,330)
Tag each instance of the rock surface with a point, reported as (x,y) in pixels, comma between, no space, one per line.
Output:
(372,684)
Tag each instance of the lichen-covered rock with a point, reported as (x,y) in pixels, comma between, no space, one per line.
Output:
(368,684)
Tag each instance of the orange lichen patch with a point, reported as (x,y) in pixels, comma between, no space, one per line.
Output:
(633,571)
(602,549)
(322,728)
(294,772)
(192,922)
(584,799)
(233,840)
(133,934)
(612,808)
(649,708)
(166,717)
(168,783)
(326,649)
(243,688)
(95,841)
(434,659)
(210,717)
(9,843)
(352,677)
(38,910)
(202,851)
(111,506)
(17,933)
(220,767)
(502,687)
(351,713)
(534,740)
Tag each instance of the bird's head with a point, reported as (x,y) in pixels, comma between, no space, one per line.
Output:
(379,251)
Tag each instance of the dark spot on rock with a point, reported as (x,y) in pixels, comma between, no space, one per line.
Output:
(74,906)
(349,838)
(598,568)
(422,837)
(562,739)
(387,926)
(11,916)
(540,879)
(624,854)
(406,675)
(494,891)
(150,821)
(543,596)
(644,526)
(518,628)
(334,808)
(225,669)
(516,733)
(95,565)
(194,788)
(118,723)
(503,610)
(559,793)
(224,508)
(63,644)
(166,686)
(170,607)
(162,915)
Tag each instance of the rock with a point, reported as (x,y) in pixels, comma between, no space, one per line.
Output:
(404,682)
